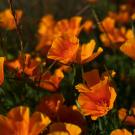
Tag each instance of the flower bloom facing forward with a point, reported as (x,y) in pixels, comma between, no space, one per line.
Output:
(120,132)
(7,19)
(1,70)
(64,49)
(96,96)
(18,122)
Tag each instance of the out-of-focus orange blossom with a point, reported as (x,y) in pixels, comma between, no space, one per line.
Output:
(7,19)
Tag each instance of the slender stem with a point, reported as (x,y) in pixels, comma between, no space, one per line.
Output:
(50,66)
(100,125)
(112,80)
(133,28)
(82,70)
(83,10)
(19,33)
(17,26)
(46,71)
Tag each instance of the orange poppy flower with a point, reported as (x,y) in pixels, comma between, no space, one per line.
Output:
(69,128)
(127,119)
(51,81)
(114,37)
(108,24)
(52,29)
(1,70)
(96,96)
(128,48)
(86,52)
(28,65)
(70,27)
(7,20)
(18,122)
(120,132)
(64,49)
(111,34)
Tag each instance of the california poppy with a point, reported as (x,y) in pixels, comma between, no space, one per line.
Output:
(51,81)
(107,24)
(96,96)
(64,49)
(18,122)
(49,30)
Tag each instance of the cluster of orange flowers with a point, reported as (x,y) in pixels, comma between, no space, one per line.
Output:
(119,37)
(59,43)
